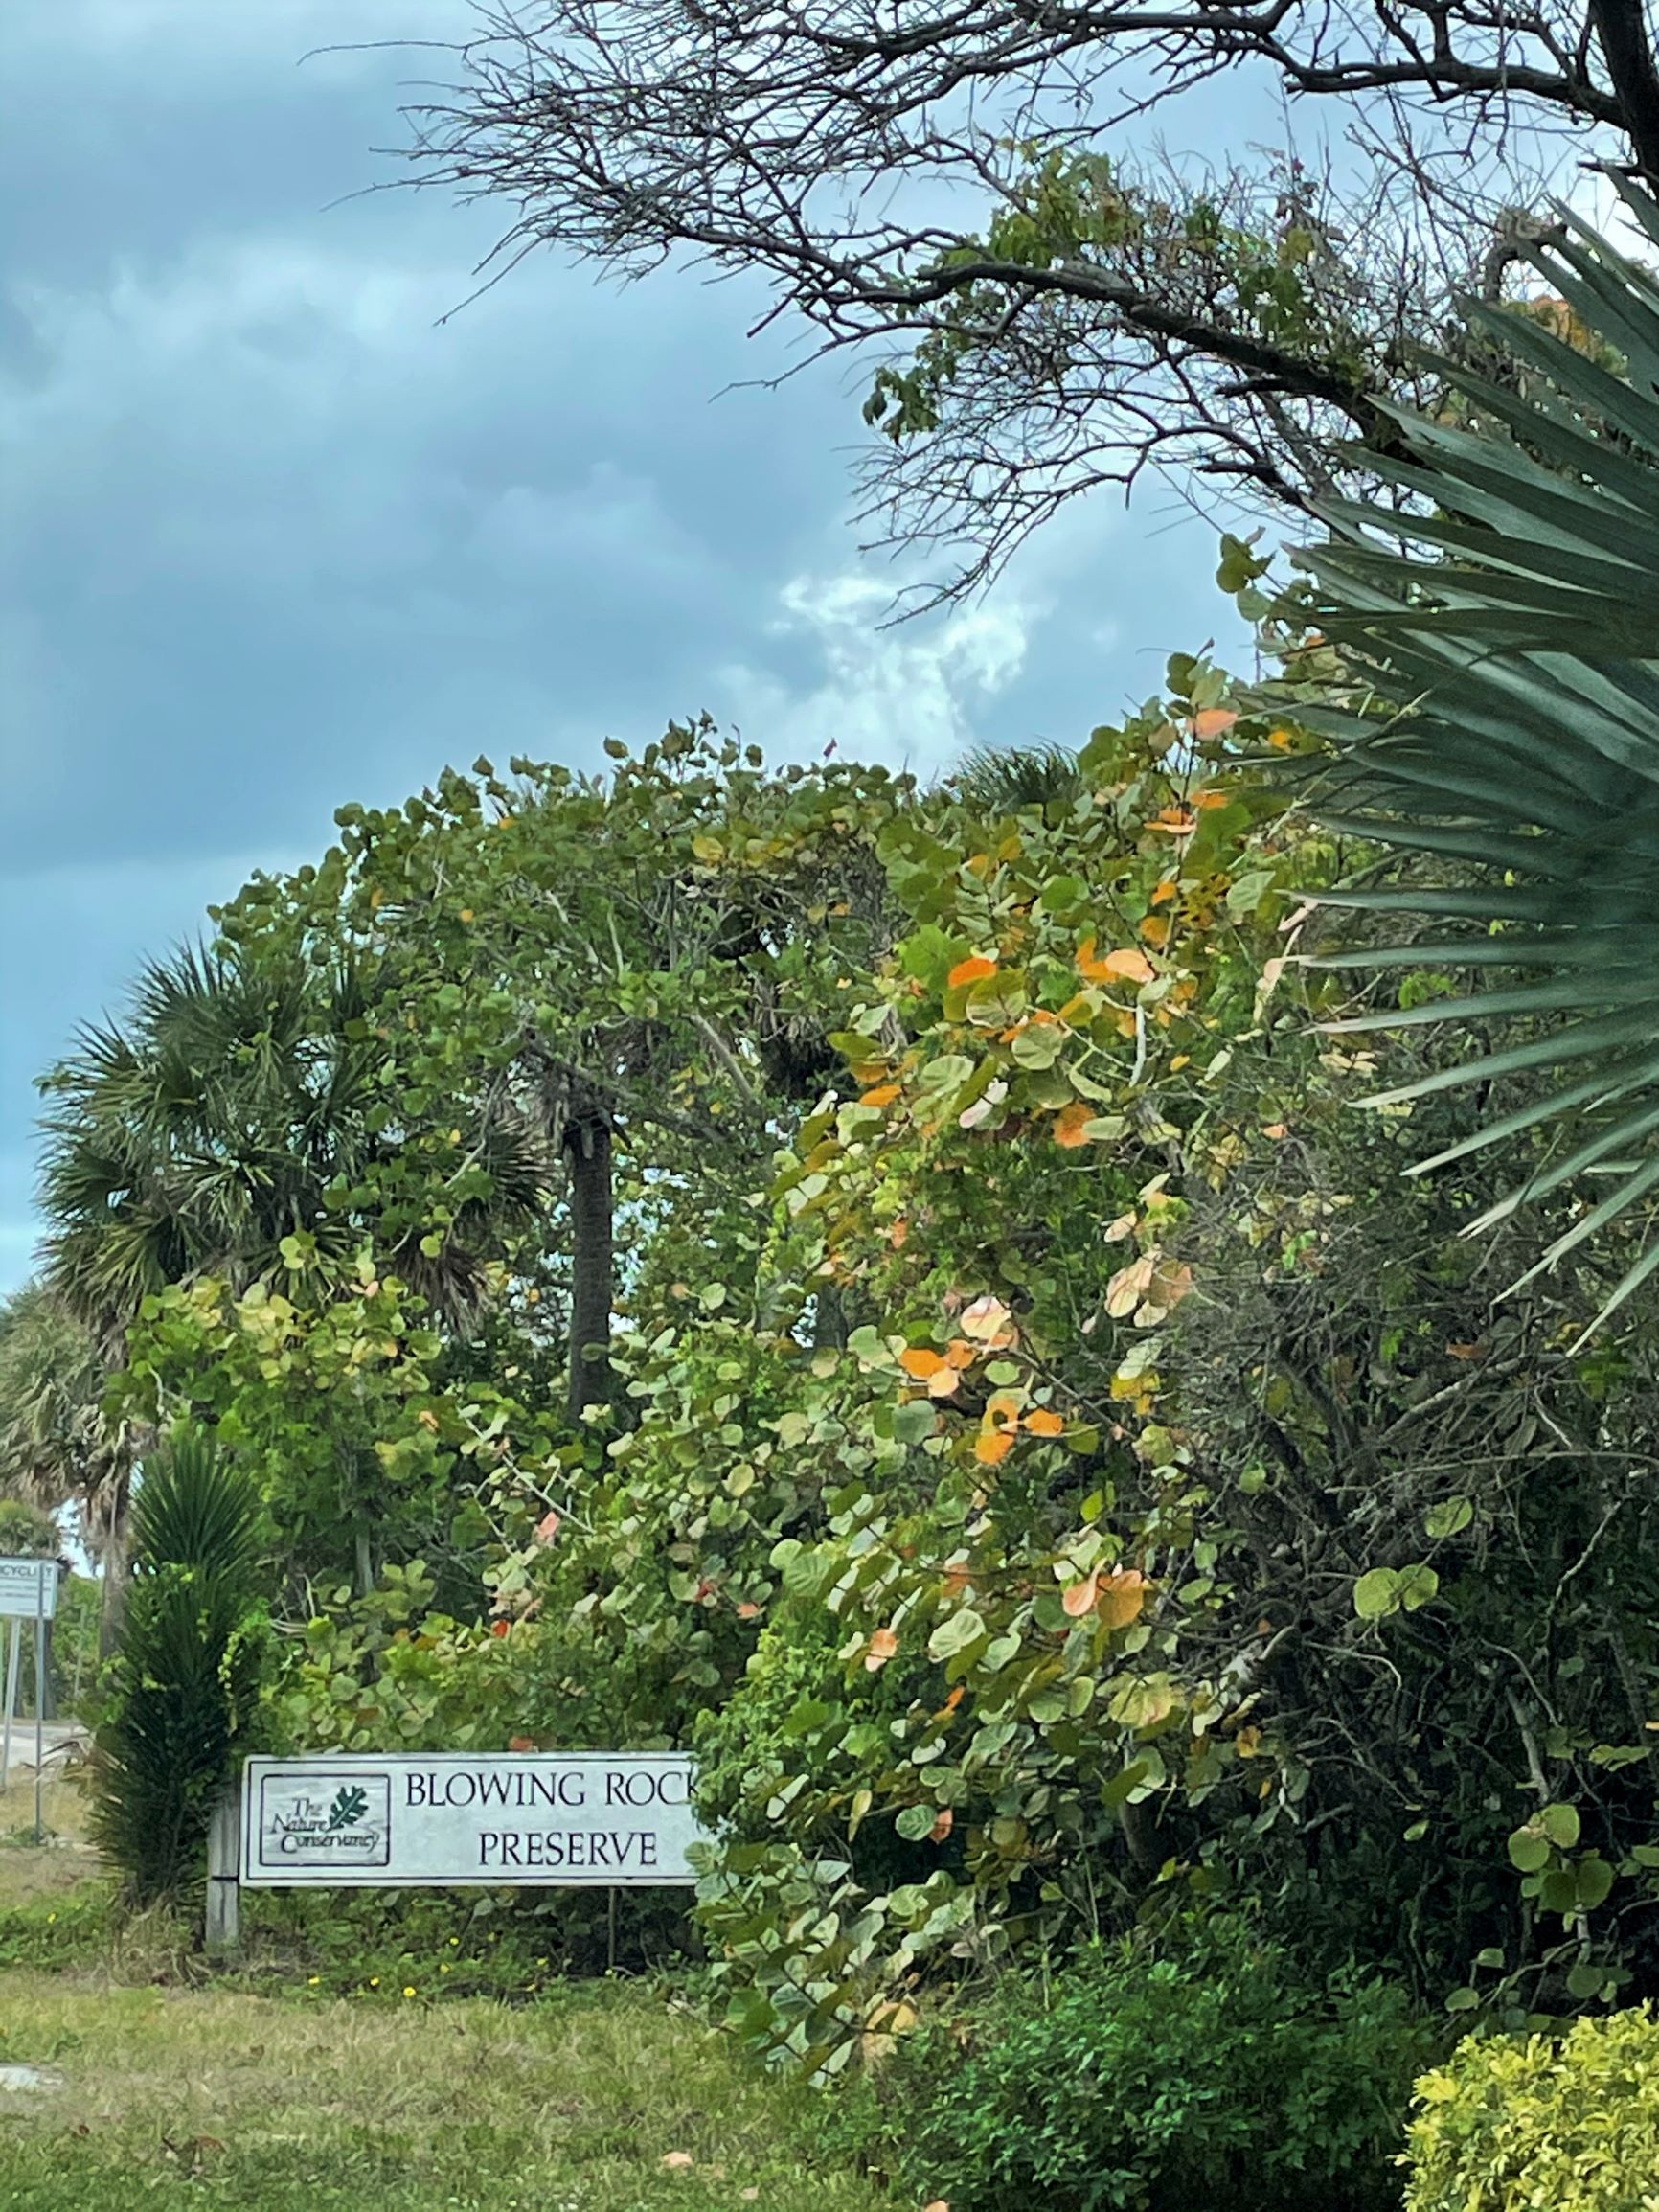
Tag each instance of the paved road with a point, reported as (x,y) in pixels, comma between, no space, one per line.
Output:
(63,1741)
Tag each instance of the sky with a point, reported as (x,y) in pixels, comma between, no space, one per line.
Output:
(276,535)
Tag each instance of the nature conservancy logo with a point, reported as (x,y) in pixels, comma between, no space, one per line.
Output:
(341,1819)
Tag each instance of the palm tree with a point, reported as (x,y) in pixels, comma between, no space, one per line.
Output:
(1503,622)
(58,1447)
(234,1125)
(218,1129)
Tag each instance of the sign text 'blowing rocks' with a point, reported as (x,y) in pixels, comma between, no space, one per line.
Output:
(438,1819)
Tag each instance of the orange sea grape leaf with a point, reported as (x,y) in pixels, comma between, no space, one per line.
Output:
(1123,1597)
(918,1360)
(1080,1598)
(1071,1125)
(973,969)
(1043,1420)
(883,1644)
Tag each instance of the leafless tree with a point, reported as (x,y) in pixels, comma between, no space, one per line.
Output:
(946,181)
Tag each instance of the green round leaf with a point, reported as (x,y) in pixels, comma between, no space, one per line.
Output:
(1560,1824)
(1377,1593)
(1417,1584)
(1594,1882)
(1529,1849)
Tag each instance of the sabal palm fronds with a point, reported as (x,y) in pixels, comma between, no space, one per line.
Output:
(57,1445)
(1510,751)
(226,1116)
(1004,779)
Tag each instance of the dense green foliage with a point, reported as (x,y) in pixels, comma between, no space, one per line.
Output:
(188,1672)
(1131,2082)
(1511,2124)
(888,1289)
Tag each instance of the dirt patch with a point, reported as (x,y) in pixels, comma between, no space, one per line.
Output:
(64,1858)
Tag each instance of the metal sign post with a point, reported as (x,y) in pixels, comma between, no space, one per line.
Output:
(40,1687)
(14,1653)
(28,1592)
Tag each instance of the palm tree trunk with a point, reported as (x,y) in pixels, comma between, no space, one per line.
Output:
(587,1146)
(112,1558)
(114,1492)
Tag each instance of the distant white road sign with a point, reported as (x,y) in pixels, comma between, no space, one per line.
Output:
(28,1589)
(543,1820)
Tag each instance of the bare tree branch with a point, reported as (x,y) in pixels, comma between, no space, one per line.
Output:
(942,181)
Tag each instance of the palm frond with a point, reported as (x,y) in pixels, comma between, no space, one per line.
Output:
(1004,779)
(1505,617)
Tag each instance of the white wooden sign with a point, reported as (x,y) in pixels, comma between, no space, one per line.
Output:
(28,1589)
(439,1819)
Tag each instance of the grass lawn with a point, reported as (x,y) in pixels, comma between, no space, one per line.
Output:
(170,2090)
(600,2101)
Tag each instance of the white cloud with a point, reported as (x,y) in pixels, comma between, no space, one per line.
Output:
(911,694)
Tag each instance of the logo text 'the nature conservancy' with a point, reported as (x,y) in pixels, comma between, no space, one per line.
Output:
(345,1820)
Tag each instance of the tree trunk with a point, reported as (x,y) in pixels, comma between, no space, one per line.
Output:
(587,1147)
(112,1558)
(829,1319)
(113,1600)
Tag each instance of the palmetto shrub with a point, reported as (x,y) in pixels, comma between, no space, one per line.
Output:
(187,1672)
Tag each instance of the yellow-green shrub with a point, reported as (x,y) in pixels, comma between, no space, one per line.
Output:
(1547,2124)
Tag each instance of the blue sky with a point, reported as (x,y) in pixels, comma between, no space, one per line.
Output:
(274,537)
